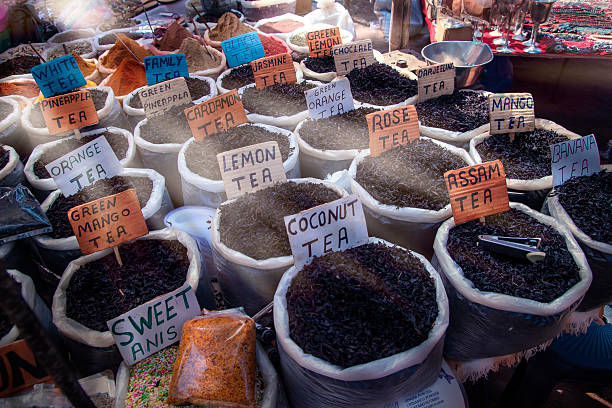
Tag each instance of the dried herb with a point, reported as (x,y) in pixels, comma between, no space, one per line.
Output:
(71,36)
(5,109)
(110,39)
(18,65)
(238,77)
(169,127)
(379,84)
(458,112)
(5,155)
(276,100)
(345,131)
(79,48)
(198,88)
(320,64)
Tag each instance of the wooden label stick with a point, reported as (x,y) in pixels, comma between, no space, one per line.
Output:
(511,113)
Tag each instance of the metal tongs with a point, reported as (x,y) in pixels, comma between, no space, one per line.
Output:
(515,247)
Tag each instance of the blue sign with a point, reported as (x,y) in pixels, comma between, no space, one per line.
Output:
(243,49)
(160,68)
(58,76)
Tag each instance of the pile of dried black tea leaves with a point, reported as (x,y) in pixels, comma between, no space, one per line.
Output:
(348,130)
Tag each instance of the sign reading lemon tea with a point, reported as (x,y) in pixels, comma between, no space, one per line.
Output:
(392,127)
(436,80)
(511,113)
(276,69)
(321,42)
(216,115)
(69,112)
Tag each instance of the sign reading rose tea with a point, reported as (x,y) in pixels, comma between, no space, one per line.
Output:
(330,99)
(157,99)
(436,80)
(69,112)
(57,76)
(276,69)
(329,227)
(392,127)
(19,368)
(476,191)
(216,115)
(358,54)
(574,158)
(159,68)
(511,113)
(243,49)
(321,42)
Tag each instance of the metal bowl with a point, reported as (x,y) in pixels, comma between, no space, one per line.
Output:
(469,58)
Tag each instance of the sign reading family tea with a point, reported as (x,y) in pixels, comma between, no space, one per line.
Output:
(435,80)
(511,113)
(58,76)
(358,54)
(216,115)
(392,127)
(159,68)
(157,99)
(574,158)
(321,42)
(276,69)
(330,99)
(69,112)
(19,369)
(243,49)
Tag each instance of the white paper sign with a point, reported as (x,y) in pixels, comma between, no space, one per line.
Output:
(329,227)
(574,158)
(81,167)
(154,325)
(330,99)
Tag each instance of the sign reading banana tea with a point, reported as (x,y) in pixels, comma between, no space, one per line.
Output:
(330,99)
(321,42)
(511,113)
(276,69)
(68,112)
(436,80)
(574,158)
(392,127)
(216,115)
(157,99)
(358,54)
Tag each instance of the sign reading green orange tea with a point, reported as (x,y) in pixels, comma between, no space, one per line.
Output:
(435,80)
(511,113)
(216,115)
(329,99)
(392,127)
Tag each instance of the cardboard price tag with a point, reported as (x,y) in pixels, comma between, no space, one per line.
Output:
(330,99)
(392,127)
(154,325)
(321,42)
(57,76)
(19,369)
(276,69)
(435,80)
(511,113)
(243,49)
(574,158)
(68,112)
(476,191)
(157,99)
(216,115)
(84,166)
(358,54)
(108,221)
(159,68)
(329,227)
(251,168)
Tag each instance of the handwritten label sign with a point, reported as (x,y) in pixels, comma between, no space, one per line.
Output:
(19,368)
(216,115)
(276,69)
(476,191)
(243,49)
(59,75)
(251,168)
(154,325)
(321,42)
(157,99)
(68,112)
(330,99)
(329,227)
(358,54)
(108,221)
(435,80)
(392,127)
(511,113)
(84,166)
(574,158)
(159,68)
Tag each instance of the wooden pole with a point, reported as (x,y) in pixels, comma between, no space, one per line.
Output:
(399,31)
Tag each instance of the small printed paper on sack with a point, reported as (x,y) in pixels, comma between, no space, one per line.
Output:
(275,69)
(329,99)
(160,68)
(358,54)
(477,191)
(159,98)
(58,76)
(20,370)
(435,80)
(69,112)
(574,158)
(243,49)
(321,42)
(392,127)
(511,113)
(216,115)
(330,227)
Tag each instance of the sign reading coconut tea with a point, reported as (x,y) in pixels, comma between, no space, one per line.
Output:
(511,113)
(243,49)
(321,42)
(476,191)
(358,54)
(59,75)
(159,68)
(69,112)
(154,325)
(330,99)
(251,168)
(574,158)
(329,227)
(108,221)
(392,127)
(19,368)
(216,115)
(276,69)
(84,166)
(157,99)
(436,80)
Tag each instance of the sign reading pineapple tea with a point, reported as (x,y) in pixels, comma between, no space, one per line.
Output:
(511,113)
(58,75)
(330,99)
(321,42)
(476,191)
(329,227)
(392,127)
(574,158)
(84,166)
(68,112)
(243,49)
(216,115)
(358,54)
(160,68)
(275,69)
(19,368)
(154,325)
(157,99)
(436,80)
(108,221)
(251,168)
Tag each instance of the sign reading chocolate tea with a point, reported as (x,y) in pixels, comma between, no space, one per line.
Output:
(321,42)
(243,49)
(68,112)
(159,68)
(58,76)
(358,54)
(511,113)
(574,158)
(216,115)
(276,69)
(392,127)
(436,80)
(330,99)
(157,99)
(19,368)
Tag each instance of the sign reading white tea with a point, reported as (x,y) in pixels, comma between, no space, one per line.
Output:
(436,80)
(511,113)
(330,99)
(574,158)
(157,99)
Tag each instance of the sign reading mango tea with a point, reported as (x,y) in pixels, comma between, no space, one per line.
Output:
(68,112)
(243,49)
(358,54)
(321,42)
(19,368)
(108,221)
(251,168)
(511,113)
(574,158)
(330,227)
(159,68)
(57,76)
(392,127)
(84,166)
(216,115)
(276,69)
(157,99)
(154,325)
(436,80)
(330,99)
(476,191)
